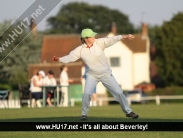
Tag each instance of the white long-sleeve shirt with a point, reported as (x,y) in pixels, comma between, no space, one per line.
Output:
(94,57)
(64,79)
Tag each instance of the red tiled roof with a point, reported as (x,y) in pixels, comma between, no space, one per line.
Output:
(60,45)
(137,45)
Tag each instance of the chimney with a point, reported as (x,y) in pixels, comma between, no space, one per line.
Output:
(33,28)
(144,30)
(113,28)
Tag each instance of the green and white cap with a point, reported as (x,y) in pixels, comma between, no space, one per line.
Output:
(87,33)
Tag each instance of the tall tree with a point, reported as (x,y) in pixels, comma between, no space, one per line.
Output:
(14,68)
(74,17)
(169,45)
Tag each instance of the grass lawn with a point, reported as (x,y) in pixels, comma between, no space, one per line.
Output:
(112,113)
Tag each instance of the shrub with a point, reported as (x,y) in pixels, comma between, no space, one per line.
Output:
(5,87)
(167,91)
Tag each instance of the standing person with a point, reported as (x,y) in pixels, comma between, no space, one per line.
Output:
(35,87)
(97,69)
(64,80)
(49,80)
(93,102)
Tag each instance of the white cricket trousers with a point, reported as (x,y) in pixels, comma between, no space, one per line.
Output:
(65,95)
(113,87)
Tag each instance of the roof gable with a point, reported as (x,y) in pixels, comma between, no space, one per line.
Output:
(60,45)
(137,45)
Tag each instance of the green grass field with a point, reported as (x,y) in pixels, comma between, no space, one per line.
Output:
(112,113)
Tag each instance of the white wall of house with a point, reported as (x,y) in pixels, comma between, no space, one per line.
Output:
(123,73)
(141,65)
(100,89)
(132,70)
(141,68)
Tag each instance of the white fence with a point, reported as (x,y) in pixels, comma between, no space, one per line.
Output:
(100,101)
(10,104)
(156,98)
(15,103)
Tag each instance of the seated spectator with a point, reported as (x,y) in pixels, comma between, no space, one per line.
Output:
(36,90)
(49,80)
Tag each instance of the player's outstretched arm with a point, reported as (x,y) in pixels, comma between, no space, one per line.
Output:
(109,41)
(71,57)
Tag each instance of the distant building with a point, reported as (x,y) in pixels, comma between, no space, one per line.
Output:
(129,59)
(33,28)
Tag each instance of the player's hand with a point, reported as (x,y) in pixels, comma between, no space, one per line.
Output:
(81,78)
(130,36)
(55,58)
(71,80)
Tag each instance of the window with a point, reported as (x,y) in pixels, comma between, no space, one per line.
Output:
(115,61)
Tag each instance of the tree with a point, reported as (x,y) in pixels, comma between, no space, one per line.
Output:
(169,49)
(14,68)
(152,33)
(74,17)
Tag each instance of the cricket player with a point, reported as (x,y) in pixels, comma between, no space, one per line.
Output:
(97,69)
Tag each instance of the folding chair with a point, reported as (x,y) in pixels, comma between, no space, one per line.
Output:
(4,94)
(25,93)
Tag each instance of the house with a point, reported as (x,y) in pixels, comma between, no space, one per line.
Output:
(129,59)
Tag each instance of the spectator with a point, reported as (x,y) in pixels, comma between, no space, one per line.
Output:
(49,80)
(36,90)
(64,80)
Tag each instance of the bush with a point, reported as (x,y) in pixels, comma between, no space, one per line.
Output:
(5,87)
(167,91)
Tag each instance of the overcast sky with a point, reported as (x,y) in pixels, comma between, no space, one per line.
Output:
(153,12)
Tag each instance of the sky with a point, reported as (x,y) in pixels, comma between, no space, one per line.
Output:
(152,12)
